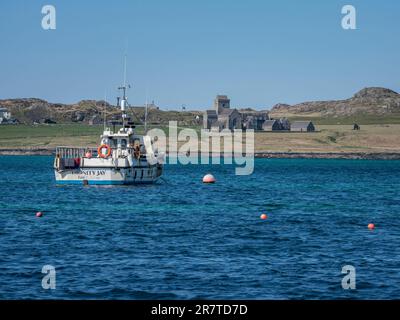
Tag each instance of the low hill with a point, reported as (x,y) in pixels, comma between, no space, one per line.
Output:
(370,105)
(33,110)
(367,102)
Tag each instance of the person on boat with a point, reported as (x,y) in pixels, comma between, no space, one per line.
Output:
(137,151)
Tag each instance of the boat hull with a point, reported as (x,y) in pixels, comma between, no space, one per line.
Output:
(109,176)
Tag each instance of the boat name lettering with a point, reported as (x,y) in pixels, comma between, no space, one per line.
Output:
(93,172)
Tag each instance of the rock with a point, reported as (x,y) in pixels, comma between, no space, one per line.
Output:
(49,121)
(372,101)
(95,119)
(376,93)
(78,116)
(280,106)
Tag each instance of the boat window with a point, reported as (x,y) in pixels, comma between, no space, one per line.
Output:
(123,143)
(113,143)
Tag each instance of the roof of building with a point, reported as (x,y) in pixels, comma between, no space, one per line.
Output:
(211,112)
(301,124)
(254,112)
(270,122)
(228,112)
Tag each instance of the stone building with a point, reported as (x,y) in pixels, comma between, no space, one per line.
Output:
(5,115)
(229,119)
(221,103)
(210,118)
(272,125)
(285,124)
(302,126)
(223,117)
(254,120)
(276,125)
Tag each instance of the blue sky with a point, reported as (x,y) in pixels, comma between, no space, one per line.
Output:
(258,52)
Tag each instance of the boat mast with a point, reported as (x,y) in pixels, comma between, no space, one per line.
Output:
(145,116)
(105,110)
(123,102)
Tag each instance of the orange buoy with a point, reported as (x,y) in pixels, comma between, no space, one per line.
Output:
(209,178)
(263,216)
(371,226)
(39,214)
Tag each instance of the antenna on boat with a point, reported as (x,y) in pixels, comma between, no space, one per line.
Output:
(105,110)
(125,70)
(145,116)
(123,101)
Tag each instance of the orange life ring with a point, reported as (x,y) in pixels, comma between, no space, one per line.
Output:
(101,154)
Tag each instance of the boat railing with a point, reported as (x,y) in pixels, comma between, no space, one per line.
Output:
(74,152)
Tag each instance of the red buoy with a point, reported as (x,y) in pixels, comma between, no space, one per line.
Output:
(39,214)
(371,226)
(209,178)
(263,216)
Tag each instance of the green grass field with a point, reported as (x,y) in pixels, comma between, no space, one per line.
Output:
(363,119)
(328,138)
(47,135)
(19,136)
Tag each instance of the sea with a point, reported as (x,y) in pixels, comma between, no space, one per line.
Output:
(182,239)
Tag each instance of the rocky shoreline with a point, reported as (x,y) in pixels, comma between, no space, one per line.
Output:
(329,155)
(27,151)
(268,155)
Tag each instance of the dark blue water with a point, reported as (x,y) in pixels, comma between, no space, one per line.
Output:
(181,239)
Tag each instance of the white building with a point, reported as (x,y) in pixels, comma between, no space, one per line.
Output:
(5,115)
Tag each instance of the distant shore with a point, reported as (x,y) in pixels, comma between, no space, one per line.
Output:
(330,141)
(27,151)
(329,155)
(268,155)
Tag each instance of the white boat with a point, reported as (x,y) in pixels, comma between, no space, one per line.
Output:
(123,157)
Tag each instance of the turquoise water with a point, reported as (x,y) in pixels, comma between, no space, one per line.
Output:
(180,239)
